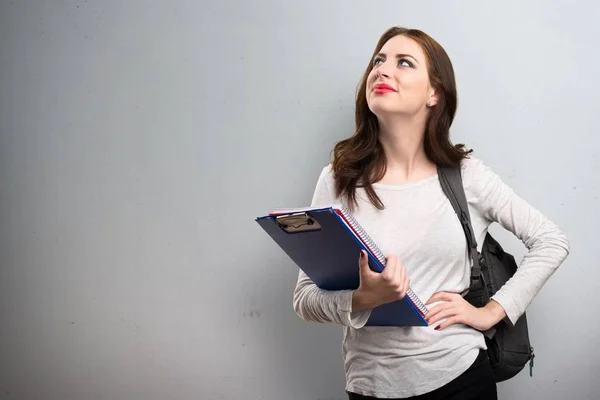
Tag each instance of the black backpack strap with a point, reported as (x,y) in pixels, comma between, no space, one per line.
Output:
(451,182)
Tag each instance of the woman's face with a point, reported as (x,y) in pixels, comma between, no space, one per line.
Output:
(399,82)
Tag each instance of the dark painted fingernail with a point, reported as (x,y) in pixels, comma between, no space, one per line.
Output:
(437,328)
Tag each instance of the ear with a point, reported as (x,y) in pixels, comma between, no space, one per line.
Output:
(433,98)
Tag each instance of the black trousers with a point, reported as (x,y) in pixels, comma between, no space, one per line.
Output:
(474,384)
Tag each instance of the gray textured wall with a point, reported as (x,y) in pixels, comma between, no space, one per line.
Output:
(134,139)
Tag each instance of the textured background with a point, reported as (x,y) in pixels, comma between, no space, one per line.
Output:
(139,139)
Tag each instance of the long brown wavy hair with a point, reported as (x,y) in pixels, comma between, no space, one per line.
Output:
(360,159)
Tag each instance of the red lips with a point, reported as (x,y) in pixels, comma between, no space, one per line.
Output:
(381,88)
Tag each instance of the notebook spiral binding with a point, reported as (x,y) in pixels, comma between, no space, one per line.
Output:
(377,252)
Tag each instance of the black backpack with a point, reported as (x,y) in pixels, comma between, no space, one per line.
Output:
(509,349)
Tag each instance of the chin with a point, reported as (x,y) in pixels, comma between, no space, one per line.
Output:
(382,109)
(380,104)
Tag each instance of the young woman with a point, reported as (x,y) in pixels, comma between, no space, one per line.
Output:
(386,174)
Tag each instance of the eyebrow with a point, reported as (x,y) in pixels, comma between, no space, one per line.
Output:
(398,56)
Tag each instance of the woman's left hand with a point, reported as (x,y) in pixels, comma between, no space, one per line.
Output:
(455,309)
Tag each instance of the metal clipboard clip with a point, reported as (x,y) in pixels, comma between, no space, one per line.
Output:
(298,222)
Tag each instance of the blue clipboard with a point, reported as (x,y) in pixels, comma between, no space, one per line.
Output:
(322,243)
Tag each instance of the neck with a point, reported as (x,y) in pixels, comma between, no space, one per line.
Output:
(402,140)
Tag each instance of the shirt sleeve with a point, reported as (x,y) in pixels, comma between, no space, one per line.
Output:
(547,245)
(317,305)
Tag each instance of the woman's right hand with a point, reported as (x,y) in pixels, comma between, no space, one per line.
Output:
(377,288)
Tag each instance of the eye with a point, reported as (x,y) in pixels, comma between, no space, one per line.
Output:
(403,62)
(377,61)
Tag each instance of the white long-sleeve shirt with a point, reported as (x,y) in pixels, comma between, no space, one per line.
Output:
(420,226)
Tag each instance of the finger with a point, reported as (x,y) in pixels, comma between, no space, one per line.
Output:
(443,314)
(390,267)
(437,309)
(447,323)
(402,279)
(441,296)
(398,281)
(405,285)
(401,274)
(363,263)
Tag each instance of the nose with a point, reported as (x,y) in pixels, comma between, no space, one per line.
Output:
(379,74)
(382,71)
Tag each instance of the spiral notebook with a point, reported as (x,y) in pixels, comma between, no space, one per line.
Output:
(325,243)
